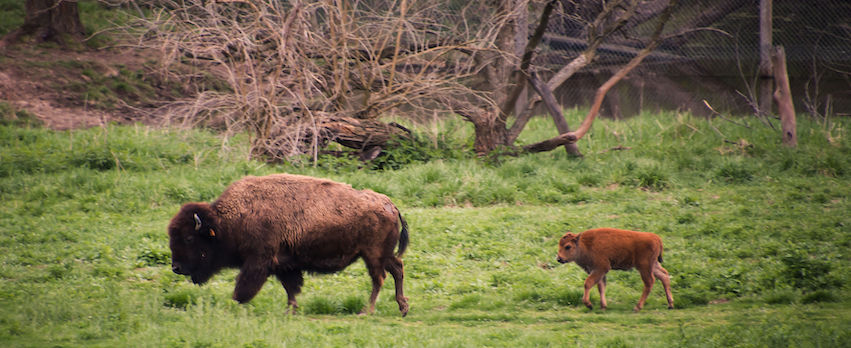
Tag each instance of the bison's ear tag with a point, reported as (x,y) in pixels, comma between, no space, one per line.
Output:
(212,233)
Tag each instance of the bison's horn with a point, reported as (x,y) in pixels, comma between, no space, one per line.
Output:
(197,222)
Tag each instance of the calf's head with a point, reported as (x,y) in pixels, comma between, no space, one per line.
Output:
(568,247)
(192,239)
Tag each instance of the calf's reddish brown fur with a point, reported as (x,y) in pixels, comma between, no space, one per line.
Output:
(599,250)
(287,224)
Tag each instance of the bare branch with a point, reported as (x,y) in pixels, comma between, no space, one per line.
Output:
(581,61)
(555,112)
(635,61)
(523,70)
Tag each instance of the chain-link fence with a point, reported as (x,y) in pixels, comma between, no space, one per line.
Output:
(715,59)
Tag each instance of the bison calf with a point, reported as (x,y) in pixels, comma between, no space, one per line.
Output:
(599,250)
(285,225)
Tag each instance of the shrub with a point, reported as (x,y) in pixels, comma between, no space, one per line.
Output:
(782,296)
(820,296)
(180,299)
(320,305)
(734,173)
(806,272)
(353,304)
(401,151)
(152,256)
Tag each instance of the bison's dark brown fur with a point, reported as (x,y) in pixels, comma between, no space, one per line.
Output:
(287,224)
(599,250)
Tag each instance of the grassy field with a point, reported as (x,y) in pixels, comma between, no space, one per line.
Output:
(756,237)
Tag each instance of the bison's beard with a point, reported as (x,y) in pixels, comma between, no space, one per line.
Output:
(200,277)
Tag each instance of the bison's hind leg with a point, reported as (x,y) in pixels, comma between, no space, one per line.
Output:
(292,282)
(376,271)
(396,269)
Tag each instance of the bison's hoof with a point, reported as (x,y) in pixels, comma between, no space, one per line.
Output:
(636,309)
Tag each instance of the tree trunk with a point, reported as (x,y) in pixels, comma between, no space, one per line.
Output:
(555,113)
(49,20)
(488,136)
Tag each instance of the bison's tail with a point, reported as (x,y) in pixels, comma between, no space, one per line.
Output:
(660,257)
(403,236)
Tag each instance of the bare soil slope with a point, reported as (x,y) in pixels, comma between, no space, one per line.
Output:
(67,89)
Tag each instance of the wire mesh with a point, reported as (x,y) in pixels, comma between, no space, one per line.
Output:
(715,60)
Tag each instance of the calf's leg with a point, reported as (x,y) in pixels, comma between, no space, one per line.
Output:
(593,278)
(648,279)
(601,287)
(665,278)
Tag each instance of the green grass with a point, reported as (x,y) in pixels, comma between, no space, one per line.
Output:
(756,239)
(12,14)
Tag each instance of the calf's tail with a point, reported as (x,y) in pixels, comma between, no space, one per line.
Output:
(403,236)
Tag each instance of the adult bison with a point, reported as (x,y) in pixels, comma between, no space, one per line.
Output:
(599,250)
(284,225)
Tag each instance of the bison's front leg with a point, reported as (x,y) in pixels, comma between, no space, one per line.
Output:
(251,278)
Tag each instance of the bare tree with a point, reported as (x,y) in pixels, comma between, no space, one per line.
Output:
(598,20)
(572,137)
(302,74)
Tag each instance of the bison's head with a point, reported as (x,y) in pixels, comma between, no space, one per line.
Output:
(567,247)
(192,239)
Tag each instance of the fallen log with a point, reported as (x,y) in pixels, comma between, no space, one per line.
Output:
(369,137)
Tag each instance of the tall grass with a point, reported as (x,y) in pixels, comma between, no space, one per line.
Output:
(756,239)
